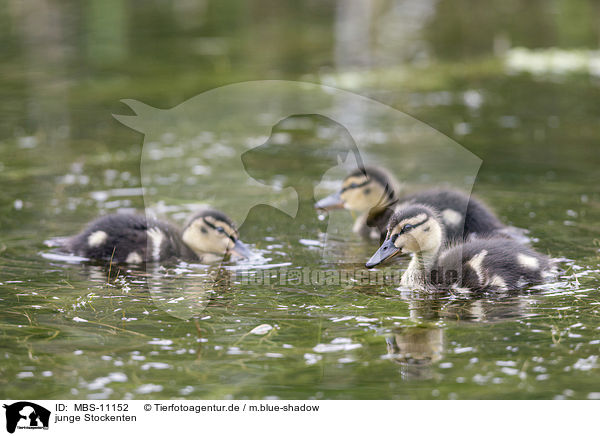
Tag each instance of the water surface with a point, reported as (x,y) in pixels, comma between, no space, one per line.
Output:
(77,329)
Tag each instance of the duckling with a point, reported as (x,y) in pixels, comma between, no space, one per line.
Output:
(480,264)
(128,238)
(373,192)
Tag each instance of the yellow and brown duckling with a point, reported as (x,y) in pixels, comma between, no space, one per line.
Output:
(480,264)
(374,193)
(128,238)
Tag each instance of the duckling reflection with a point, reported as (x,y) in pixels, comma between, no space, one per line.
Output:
(489,310)
(185,293)
(299,151)
(416,348)
(475,309)
(180,290)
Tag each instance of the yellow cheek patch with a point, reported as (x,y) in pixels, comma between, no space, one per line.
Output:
(399,242)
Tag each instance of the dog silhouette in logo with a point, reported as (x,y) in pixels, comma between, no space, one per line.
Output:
(299,151)
(30,413)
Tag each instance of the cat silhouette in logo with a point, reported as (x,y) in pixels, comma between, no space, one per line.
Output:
(299,151)
(31,413)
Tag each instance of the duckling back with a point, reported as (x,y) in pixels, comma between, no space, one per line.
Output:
(496,264)
(463,216)
(128,238)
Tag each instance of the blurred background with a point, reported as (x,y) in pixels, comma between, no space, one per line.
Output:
(65,64)
(517,82)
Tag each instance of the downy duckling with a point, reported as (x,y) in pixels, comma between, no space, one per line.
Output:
(207,236)
(490,264)
(373,193)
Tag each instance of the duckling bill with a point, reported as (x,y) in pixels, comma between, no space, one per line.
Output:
(480,264)
(128,238)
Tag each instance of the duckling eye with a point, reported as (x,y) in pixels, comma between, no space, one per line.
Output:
(220,229)
(353,186)
(407,227)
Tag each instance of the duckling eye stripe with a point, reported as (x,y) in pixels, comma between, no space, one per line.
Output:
(414,226)
(359,185)
(212,226)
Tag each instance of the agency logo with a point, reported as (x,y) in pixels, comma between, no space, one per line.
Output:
(264,152)
(26,415)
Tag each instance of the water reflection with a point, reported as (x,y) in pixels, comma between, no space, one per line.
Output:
(418,347)
(182,290)
(184,293)
(491,308)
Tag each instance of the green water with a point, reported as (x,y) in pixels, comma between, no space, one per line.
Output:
(86,330)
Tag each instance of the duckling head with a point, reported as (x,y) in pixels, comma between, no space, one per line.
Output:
(412,229)
(363,190)
(212,232)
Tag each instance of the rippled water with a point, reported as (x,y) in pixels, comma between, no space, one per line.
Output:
(78,329)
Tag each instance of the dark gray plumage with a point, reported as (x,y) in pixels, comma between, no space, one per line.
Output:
(474,218)
(124,238)
(506,265)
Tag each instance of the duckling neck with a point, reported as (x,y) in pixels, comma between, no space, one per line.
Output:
(193,255)
(418,272)
(385,205)
(189,254)
(377,217)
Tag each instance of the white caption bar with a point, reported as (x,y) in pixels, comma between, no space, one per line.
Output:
(277,417)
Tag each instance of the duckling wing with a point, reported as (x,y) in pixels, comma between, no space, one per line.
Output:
(490,264)
(116,237)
